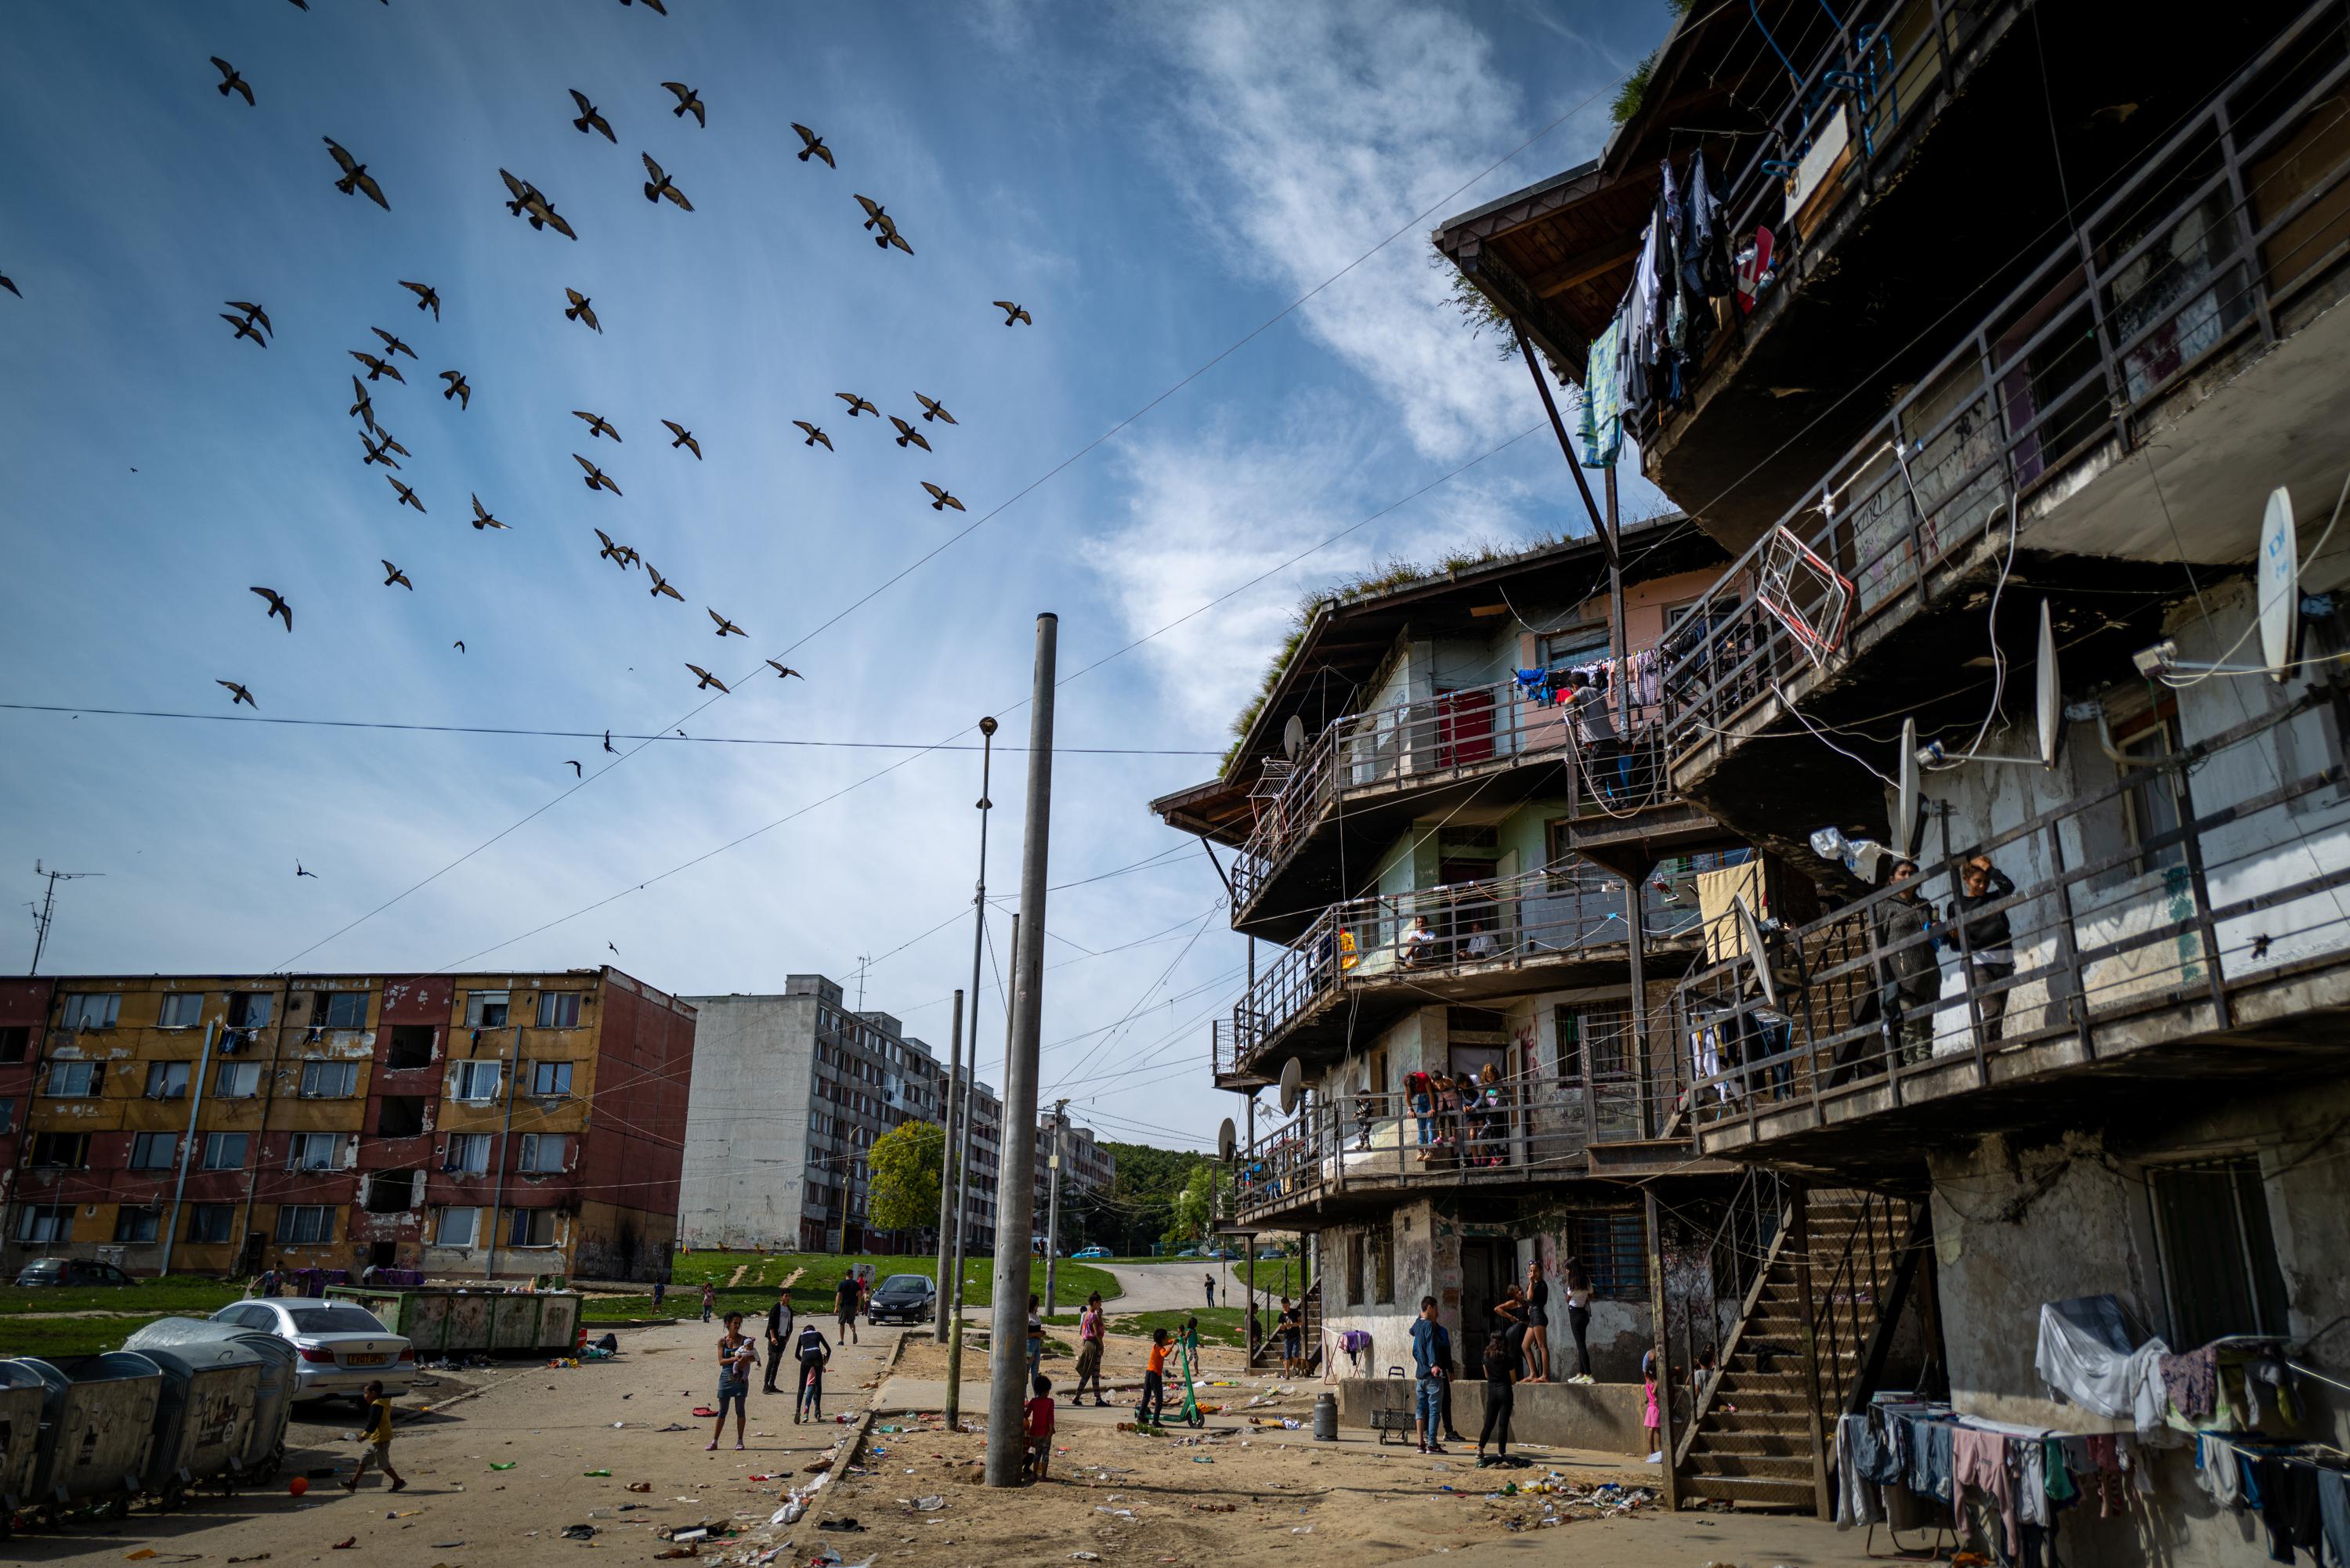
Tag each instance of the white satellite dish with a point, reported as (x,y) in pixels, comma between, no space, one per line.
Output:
(1906,796)
(1750,932)
(1293,1085)
(2280,586)
(1293,736)
(2047,715)
(1227,1140)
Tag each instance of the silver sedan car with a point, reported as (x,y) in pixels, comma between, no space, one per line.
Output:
(339,1348)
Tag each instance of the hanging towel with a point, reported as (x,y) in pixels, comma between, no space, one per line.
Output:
(1979,1460)
(1602,428)
(1858,1500)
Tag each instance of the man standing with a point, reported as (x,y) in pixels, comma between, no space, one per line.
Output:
(1989,943)
(844,1307)
(779,1333)
(1911,977)
(1212,1293)
(1428,1354)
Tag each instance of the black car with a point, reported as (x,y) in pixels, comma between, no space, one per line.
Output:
(70,1272)
(901,1298)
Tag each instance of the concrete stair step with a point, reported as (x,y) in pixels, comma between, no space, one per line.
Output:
(1772,1490)
(1753,1466)
(1753,1444)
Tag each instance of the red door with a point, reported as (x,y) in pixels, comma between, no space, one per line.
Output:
(1464,728)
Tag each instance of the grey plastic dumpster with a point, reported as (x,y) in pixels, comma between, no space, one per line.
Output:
(264,1449)
(100,1427)
(200,1421)
(22,1393)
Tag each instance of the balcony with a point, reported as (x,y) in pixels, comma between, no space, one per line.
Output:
(1366,777)
(1366,962)
(2143,964)
(2187,315)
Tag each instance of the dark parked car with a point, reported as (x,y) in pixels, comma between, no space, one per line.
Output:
(901,1298)
(70,1272)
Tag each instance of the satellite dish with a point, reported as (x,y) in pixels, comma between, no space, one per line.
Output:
(1906,802)
(1227,1140)
(1293,736)
(2279,572)
(2048,702)
(1293,1085)
(1749,932)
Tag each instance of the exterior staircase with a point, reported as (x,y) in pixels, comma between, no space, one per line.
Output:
(1269,1353)
(1764,1430)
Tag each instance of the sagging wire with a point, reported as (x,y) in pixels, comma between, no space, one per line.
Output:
(2254,624)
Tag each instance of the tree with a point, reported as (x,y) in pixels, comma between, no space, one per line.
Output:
(1195,1206)
(908,1163)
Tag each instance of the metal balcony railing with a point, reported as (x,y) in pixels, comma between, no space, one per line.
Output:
(2221,227)
(1616,766)
(2192,879)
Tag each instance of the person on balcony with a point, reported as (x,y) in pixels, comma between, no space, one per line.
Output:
(1988,944)
(1423,1110)
(1480,946)
(1447,1112)
(1911,977)
(1417,948)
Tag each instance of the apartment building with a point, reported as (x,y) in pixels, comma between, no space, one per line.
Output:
(24,1016)
(2063,498)
(460,1126)
(1087,1169)
(794,1089)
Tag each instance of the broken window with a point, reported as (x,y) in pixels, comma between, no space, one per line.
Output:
(485,1010)
(167,1080)
(411,1047)
(391,1191)
(402,1115)
(329,1080)
(340,1010)
(134,1225)
(532,1228)
(305,1224)
(152,1152)
(212,1222)
(225,1151)
(181,1010)
(544,1152)
(249,1008)
(15,1040)
(558,1010)
(68,1151)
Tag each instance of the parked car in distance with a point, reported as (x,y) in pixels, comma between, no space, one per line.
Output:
(339,1348)
(70,1272)
(1091,1252)
(901,1298)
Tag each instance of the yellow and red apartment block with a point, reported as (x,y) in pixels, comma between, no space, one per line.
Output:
(463,1126)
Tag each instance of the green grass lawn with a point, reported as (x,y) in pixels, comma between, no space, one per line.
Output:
(51,1337)
(812,1293)
(184,1295)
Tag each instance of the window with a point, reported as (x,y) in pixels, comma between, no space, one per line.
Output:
(532,1228)
(7,1114)
(2150,805)
(249,1008)
(74,1080)
(45,1223)
(15,1040)
(313,1151)
(485,1010)
(329,1080)
(1355,1296)
(153,1151)
(131,1225)
(1606,1030)
(66,1151)
(467,1152)
(179,1010)
(544,1152)
(167,1080)
(558,1010)
(457,1228)
(411,1047)
(1614,1250)
(2220,1270)
(340,1010)
(237,1080)
(477,1081)
(1382,1250)
(1574,645)
(550,1078)
(305,1224)
(401,1115)
(225,1151)
(90,1009)
(1567,1022)
(212,1222)
(391,1191)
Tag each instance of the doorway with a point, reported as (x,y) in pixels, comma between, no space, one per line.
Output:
(382,1254)
(1488,1269)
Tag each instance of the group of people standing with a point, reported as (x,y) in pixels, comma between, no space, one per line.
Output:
(803,1344)
(1463,1115)
(1517,1350)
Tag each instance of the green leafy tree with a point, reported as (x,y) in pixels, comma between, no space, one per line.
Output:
(907,1162)
(1195,1206)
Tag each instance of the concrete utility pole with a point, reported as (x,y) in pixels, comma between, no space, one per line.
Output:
(1016,1190)
(959,1135)
(1053,1209)
(188,1144)
(970,1107)
(950,1192)
(48,907)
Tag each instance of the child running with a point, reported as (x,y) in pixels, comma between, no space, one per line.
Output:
(378,1438)
(1154,1380)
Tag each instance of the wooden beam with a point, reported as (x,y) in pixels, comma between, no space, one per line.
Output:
(1579,269)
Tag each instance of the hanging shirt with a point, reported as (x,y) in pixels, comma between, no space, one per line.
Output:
(1602,429)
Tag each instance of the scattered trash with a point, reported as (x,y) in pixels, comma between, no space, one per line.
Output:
(841,1526)
(140,1555)
(579,1532)
(695,1533)
(641,1486)
(1202,1459)
(790,1514)
(594,1473)
(678,1551)
(704,1411)
(1213,1507)
(816,1469)
(256,1557)
(676,1426)
(403,1513)
(507,1466)
(1085,1556)
(929,1504)
(345,1543)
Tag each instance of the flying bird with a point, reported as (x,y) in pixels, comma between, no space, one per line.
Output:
(857,405)
(407,496)
(457,388)
(618,554)
(364,408)
(376,366)
(658,184)
(237,694)
(482,518)
(684,439)
(725,628)
(686,99)
(580,309)
(615,953)
(277,605)
(661,583)
(459,645)
(907,433)
(389,444)
(10,285)
(940,499)
(658,9)
(814,435)
(393,574)
(616,752)
(597,479)
(704,679)
(597,425)
(244,328)
(934,410)
(531,202)
(877,217)
(589,120)
(231,82)
(375,451)
(427,298)
(297,865)
(812,146)
(1012,313)
(355,175)
(576,771)
(392,346)
(783,669)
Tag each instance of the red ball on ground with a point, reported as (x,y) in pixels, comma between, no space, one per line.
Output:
(298,1485)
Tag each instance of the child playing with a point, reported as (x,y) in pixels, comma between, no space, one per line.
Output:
(1036,1428)
(1154,1379)
(1651,1420)
(377,1436)
(814,1350)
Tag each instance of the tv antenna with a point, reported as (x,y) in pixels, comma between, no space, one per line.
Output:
(48,906)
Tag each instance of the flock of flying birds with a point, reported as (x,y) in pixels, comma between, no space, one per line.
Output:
(250,322)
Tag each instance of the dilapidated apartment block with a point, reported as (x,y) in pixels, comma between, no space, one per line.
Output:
(459,1125)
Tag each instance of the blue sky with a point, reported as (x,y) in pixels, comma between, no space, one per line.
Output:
(1152,182)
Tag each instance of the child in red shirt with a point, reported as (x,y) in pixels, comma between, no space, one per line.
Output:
(1036,1428)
